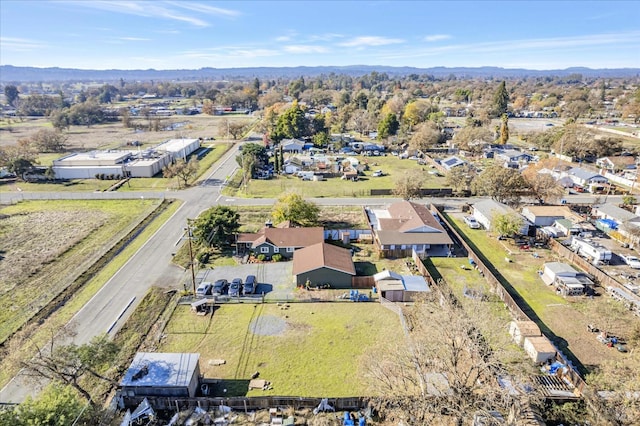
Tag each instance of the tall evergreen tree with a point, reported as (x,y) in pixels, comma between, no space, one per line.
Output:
(501,100)
(504,129)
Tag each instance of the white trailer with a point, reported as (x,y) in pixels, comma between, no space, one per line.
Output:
(591,249)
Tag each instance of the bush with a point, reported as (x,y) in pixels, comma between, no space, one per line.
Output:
(261,257)
(203,257)
(277,257)
(97,175)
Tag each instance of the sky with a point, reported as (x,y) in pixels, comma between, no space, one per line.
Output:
(177,34)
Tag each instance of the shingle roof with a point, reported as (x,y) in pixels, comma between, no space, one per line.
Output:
(616,212)
(583,173)
(323,255)
(285,237)
(410,223)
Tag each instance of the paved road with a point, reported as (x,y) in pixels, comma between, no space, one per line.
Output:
(151,265)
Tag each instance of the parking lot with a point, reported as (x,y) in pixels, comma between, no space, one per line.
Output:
(275,279)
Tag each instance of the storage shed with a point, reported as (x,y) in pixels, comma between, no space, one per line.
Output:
(539,348)
(161,374)
(520,330)
(400,288)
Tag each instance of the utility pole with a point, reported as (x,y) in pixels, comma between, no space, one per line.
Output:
(191,262)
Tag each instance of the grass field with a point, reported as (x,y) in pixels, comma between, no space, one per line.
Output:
(309,349)
(562,319)
(46,244)
(391,166)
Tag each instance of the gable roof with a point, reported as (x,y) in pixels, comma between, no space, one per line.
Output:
(323,255)
(490,207)
(284,237)
(619,160)
(584,174)
(386,275)
(409,223)
(617,213)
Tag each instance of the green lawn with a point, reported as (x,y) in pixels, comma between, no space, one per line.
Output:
(318,353)
(391,166)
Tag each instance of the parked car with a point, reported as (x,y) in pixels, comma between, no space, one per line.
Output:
(471,222)
(204,289)
(220,287)
(234,287)
(249,285)
(632,261)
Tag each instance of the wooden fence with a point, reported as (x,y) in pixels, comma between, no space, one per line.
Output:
(516,305)
(363,282)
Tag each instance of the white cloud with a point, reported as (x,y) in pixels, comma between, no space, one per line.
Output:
(437,37)
(205,8)
(134,39)
(305,48)
(283,38)
(20,44)
(148,9)
(325,37)
(230,52)
(370,41)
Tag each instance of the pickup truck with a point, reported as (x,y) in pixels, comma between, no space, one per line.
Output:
(631,260)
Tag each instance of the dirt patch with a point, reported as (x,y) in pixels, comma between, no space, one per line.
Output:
(268,325)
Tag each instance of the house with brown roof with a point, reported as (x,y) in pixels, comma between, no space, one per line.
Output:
(323,263)
(280,240)
(404,227)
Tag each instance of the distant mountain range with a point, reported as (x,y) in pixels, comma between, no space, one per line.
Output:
(13,74)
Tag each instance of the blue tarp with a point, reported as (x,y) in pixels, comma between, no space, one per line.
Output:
(608,223)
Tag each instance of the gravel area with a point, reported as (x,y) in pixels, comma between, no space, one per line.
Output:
(268,325)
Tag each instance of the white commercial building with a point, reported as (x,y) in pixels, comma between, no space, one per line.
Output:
(142,163)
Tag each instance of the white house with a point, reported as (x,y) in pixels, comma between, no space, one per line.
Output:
(292,145)
(484,211)
(586,178)
(451,162)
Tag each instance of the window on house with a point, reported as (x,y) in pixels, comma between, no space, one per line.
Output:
(290,249)
(264,249)
(276,249)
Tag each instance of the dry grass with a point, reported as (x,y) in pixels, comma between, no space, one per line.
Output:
(115,135)
(47,244)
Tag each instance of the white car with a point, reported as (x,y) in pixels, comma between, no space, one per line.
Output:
(471,222)
(632,261)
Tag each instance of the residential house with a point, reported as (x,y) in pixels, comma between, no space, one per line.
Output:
(486,210)
(293,165)
(547,215)
(279,240)
(451,162)
(624,221)
(404,227)
(617,163)
(323,263)
(292,145)
(586,178)
(399,288)
(157,374)
(513,156)
(565,279)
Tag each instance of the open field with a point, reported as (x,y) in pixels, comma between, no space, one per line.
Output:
(391,166)
(116,136)
(564,320)
(308,349)
(64,313)
(47,244)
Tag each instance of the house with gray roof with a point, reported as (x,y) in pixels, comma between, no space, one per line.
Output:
(486,210)
(451,162)
(404,227)
(586,178)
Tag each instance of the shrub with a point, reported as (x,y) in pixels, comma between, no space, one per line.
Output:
(277,257)
(97,175)
(261,257)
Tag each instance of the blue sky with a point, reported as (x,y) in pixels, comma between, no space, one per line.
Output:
(189,35)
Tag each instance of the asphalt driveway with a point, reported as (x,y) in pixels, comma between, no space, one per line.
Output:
(274,279)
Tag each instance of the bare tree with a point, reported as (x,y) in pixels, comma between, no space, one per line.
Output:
(408,185)
(182,170)
(446,370)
